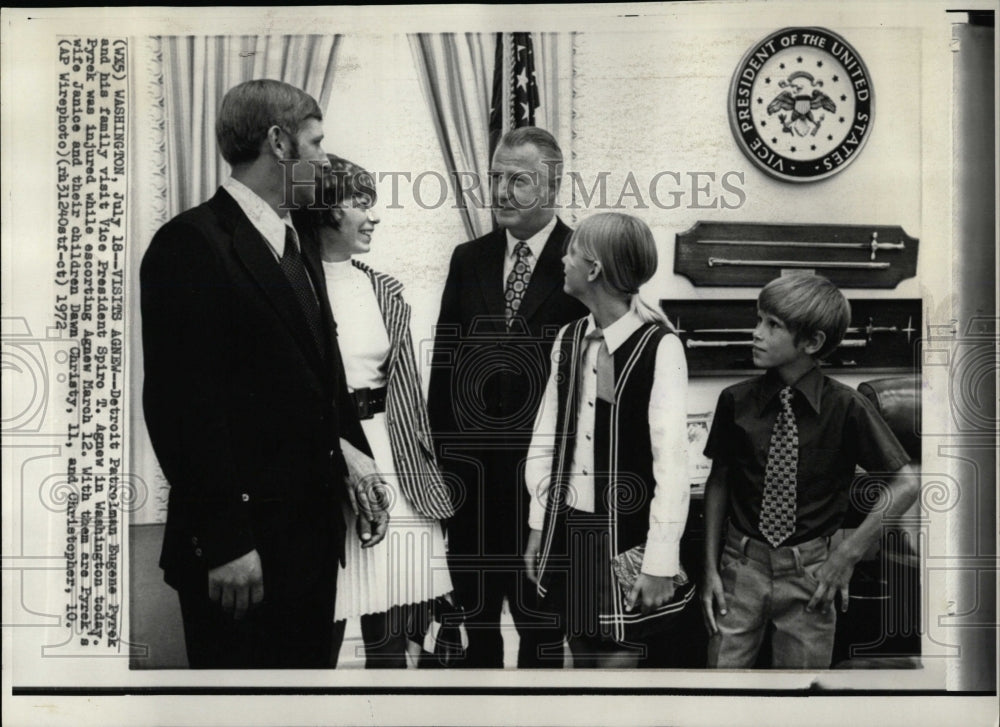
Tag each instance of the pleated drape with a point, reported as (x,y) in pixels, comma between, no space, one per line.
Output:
(179,165)
(197,73)
(456,76)
(456,72)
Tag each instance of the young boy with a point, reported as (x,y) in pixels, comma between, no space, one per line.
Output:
(784,447)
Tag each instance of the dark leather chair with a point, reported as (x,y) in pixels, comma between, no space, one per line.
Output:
(898,401)
(881,626)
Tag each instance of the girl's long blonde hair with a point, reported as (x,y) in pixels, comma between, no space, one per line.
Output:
(625,247)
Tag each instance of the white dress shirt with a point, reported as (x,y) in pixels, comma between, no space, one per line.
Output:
(668,435)
(261,215)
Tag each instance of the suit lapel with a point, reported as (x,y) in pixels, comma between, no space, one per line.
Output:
(489,270)
(547,275)
(254,252)
(310,255)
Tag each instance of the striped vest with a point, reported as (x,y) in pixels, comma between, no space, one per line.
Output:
(623,464)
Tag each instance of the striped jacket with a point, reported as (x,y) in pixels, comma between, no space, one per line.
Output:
(406,410)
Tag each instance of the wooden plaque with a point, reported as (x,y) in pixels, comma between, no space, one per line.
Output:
(884,336)
(752,254)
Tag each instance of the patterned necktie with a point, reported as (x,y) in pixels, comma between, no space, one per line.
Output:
(777,512)
(517,281)
(295,271)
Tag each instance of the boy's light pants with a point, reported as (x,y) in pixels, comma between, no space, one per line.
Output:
(771,585)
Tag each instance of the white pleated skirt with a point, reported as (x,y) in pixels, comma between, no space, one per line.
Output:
(409,566)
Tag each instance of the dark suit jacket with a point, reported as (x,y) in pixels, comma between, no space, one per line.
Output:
(243,409)
(486,384)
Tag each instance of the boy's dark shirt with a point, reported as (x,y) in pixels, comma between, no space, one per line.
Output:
(838,429)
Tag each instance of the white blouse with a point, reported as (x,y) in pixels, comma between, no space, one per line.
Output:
(361,334)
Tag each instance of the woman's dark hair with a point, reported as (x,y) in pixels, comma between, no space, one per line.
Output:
(341,182)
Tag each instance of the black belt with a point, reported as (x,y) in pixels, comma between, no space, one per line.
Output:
(368,402)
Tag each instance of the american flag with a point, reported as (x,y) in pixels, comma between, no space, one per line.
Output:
(515,89)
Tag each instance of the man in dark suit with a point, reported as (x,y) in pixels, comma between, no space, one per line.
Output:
(245,400)
(502,306)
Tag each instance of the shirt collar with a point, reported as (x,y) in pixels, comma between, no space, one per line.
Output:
(618,332)
(810,385)
(536,243)
(261,215)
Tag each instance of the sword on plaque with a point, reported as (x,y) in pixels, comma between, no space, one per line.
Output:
(873,245)
(714,262)
(868,329)
(694,343)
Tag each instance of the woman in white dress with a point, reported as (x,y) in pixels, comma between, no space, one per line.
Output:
(388,586)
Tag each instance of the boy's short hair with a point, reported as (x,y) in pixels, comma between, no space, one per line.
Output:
(808,303)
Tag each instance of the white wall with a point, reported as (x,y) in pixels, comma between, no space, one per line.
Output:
(655,100)
(644,101)
(378,118)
